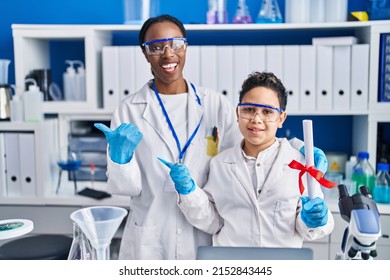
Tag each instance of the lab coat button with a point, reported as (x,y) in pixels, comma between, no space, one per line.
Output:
(179,231)
(257,164)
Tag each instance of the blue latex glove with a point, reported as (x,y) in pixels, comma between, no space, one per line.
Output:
(320,161)
(314,212)
(123,141)
(181,176)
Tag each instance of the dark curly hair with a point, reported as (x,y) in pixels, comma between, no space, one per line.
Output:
(267,80)
(154,20)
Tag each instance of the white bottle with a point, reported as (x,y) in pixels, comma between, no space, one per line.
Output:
(16,108)
(69,80)
(80,94)
(349,167)
(33,101)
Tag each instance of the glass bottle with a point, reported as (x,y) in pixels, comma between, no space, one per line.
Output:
(363,173)
(382,184)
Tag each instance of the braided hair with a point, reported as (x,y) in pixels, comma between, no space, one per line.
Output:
(154,20)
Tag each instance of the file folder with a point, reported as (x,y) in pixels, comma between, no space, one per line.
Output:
(324,78)
(12,161)
(110,61)
(3,178)
(27,164)
(341,78)
(307,78)
(126,71)
(208,63)
(225,70)
(359,77)
(291,66)
(191,70)
(274,60)
(143,71)
(241,69)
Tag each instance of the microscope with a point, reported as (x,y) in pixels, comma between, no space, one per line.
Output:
(364,229)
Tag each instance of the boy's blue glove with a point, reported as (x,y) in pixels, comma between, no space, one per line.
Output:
(180,175)
(314,212)
(123,141)
(320,161)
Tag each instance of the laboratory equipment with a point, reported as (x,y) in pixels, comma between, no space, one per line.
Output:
(69,80)
(5,90)
(349,167)
(269,12)
(138,11)
(382,184)
(42,79)
(15,227)
(68,161)
(242,13)
(81,248)
(363,172)
(80,94)
(297,11)
(336,10)
(99,224)
(33,101)
(217,12)
(364,229)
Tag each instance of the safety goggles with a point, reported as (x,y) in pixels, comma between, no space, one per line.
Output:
(157,47)
(266,113)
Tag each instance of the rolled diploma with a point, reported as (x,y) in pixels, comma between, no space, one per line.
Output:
(312,183)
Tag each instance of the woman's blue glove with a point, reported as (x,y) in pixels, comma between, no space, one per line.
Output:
(320,161)
(314,212)
(123,141)
(180,175)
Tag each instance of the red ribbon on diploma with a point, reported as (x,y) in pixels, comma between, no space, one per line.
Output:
(316,174)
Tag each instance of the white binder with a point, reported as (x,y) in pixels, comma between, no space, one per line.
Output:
(110,61)
(143,71)
(3,178)
(27,164)
(241,69)
(126,71)
(341,77)
(324,78)
(208,66)
(307,78)
(359,77)
(12,162)
(274,60)
(191,70)
(291,65)
(257,59)
(225,72)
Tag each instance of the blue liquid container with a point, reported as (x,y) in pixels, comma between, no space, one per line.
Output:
(382,184)
(269,12)
(363,173)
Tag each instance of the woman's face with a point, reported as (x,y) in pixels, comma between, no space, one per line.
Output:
(167,67)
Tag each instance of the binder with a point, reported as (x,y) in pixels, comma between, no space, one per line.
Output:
(225,71)
(384,68)
(359,77)
(12,162)
(257,59)
(27,164)
(143,72)
(241,69)
(274,60)
(110,61)
(126,72)
(307,78)
(208,66)
(291,66)
(191,70)
(324,78)
(341,77)
(3,178)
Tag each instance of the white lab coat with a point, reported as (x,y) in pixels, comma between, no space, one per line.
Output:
(229,208)
(156,228)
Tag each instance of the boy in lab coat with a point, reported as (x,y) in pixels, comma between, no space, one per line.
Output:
(252,196)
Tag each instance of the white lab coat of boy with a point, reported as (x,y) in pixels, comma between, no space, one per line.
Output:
(229,208)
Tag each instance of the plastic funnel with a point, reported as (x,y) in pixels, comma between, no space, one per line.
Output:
(99,224)
(4,71)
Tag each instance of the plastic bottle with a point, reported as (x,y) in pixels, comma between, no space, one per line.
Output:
(80,81)
(382,184)
(16,108)
(349,167)
(69,79)
(363,173)
(33,100)
(269,12)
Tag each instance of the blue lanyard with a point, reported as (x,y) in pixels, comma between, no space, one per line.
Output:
(181,152)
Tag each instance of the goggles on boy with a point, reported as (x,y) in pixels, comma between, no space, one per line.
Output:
(157,47)
(266,113)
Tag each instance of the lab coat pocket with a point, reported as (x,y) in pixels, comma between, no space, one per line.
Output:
(284,219)
(146,243)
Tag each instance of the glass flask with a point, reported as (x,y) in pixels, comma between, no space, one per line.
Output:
(242,13)
(269,12)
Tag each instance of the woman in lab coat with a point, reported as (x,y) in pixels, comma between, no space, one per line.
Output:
(173,119)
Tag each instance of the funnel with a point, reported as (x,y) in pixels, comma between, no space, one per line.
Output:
(4,71)
(99,224)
